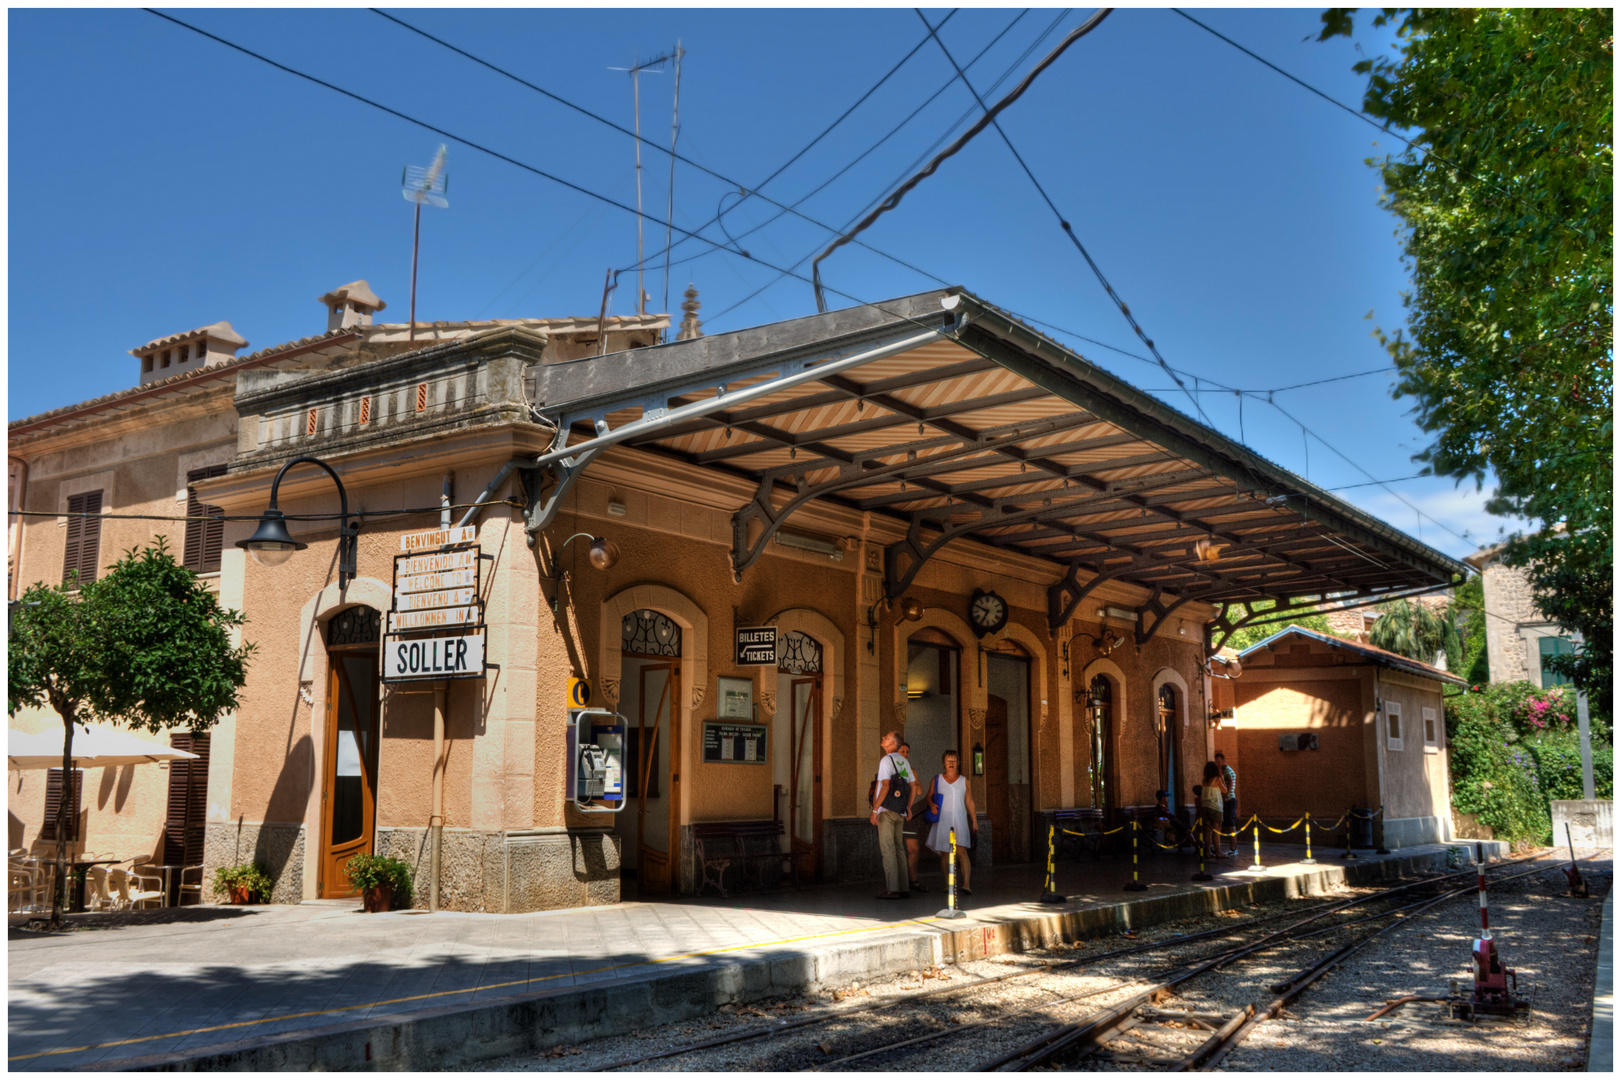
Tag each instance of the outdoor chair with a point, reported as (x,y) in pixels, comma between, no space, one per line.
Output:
(100,899)
(132,890)
(26,886)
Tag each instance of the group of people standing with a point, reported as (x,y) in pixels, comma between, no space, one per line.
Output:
(1217,799)
(900,810)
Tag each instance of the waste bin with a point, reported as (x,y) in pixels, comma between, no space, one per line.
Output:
(1361,828)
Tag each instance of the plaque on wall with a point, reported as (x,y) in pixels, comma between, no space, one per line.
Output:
(735,700)
(743,744)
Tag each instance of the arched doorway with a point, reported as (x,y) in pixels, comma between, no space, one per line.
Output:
(349,763)
(797,745)
(650,693)
(1100,722)
(933,716)
(1165,728)
(1007,752)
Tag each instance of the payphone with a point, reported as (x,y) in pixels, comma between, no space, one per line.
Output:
(596,747)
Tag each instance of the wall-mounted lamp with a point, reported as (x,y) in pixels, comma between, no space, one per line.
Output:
(617,509)
(915,692)
(604,554)
(979,760)
(1107,642)
(908,610)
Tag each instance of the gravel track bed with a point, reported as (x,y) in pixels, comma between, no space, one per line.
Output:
(1550,939)
(817,1045)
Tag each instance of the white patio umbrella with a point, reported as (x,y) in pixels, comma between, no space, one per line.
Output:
(93,747)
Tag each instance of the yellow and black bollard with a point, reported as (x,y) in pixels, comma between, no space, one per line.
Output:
(1136,884)
(1049,890)
(1308,860)
(1380,814)
(1201,875)
(1350,823)
(1257,868)
(951,910)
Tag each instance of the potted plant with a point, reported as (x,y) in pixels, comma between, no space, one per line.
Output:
(384,882)
(242,883)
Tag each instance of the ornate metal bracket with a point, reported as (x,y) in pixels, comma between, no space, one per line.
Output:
(1160,611)
(1066,596)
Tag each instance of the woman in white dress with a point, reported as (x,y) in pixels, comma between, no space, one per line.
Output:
(956,812)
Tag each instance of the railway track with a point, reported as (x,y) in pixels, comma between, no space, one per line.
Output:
(1141,1031)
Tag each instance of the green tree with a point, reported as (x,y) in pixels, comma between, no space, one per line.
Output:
(1469,615)
(1415,631)
(1245,636)
(145,646)
(1505,200)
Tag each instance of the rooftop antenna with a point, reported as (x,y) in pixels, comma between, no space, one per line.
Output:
(675,130)
(636,70)
(419,186)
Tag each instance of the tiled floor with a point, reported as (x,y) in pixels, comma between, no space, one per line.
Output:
(202,976)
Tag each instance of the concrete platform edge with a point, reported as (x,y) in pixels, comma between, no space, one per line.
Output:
(448,1036)
(1601,1043)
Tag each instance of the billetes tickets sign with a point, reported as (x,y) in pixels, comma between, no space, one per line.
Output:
(449,656)
(756,646)
(437,538)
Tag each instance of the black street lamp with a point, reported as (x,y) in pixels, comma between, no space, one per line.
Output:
(271,544)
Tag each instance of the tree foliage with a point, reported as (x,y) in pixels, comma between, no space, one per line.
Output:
(1415,631)
(1506,203)
(145,646)
(1245,636)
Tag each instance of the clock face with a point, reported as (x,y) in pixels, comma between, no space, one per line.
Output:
(987,612)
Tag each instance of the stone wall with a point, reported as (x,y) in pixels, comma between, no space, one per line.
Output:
(1591,822)
(277,849)
(1508,595)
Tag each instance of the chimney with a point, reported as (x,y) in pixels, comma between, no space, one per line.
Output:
(690,326)
(350,305)
(180,353)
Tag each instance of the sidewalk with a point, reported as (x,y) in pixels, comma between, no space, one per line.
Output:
(303,986)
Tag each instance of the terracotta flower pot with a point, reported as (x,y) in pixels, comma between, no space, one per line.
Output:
(377,897)
(239,894)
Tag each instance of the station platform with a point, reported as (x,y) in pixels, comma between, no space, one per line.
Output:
(322,986)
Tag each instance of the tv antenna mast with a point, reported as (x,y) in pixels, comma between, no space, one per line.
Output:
(675,131)
(636,70)
(419,186)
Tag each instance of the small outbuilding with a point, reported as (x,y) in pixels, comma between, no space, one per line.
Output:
(1320,724)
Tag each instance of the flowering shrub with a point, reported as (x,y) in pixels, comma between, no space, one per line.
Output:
(1550,708)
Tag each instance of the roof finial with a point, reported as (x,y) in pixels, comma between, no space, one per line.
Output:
(690,326)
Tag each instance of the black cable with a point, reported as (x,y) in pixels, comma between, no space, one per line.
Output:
(905,173)
(746,192)
(1063,223)
(1427,151)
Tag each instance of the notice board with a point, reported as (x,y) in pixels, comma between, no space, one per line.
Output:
(735,744)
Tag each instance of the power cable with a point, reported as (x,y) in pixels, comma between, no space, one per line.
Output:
(1063,223)
(746,192)
(632,210)
(1427,151)
(904,173)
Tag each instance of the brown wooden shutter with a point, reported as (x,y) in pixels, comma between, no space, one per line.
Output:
(184,828)
(53,801)
(84,537)
(203,538)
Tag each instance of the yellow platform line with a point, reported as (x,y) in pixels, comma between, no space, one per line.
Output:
(468,990)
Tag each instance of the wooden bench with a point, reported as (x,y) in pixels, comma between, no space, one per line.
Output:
(1085,821)
(749,845)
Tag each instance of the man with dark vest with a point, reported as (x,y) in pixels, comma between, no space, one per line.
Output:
(892,800)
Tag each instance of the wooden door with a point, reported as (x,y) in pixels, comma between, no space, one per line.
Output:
(349,786)
(658,819)
(805,773)
(997,805)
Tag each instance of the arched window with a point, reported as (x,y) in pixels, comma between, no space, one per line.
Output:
(360,625)
(648,633)
(798,654)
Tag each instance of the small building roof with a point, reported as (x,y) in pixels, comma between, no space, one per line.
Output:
(1383,657)
(220,331)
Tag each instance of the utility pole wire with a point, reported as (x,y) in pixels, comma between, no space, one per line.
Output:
(928,170)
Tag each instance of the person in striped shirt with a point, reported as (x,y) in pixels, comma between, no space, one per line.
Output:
(1229,809)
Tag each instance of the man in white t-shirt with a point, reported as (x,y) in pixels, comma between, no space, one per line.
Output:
(891,802)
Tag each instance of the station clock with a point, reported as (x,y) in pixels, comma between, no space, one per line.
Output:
(987,612)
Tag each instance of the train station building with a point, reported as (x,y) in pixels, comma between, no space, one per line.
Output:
(761,550)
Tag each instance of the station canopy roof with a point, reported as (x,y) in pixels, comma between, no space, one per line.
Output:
(959,421)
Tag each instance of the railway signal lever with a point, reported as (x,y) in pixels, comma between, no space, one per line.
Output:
(1492,996)
(1578,887)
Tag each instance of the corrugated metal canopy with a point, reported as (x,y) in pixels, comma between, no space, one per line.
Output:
(995,433)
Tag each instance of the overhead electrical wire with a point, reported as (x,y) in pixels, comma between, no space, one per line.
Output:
(1427,151)
(692,234)
(632,210)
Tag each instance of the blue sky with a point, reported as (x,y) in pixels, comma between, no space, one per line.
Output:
(161,181)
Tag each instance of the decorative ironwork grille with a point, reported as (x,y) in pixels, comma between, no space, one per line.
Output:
(798,654)
(647,633)
(354,626)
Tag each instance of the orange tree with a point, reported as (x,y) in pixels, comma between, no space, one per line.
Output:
(145,646)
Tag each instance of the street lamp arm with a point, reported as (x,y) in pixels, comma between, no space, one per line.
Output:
(272,544)
(343,496)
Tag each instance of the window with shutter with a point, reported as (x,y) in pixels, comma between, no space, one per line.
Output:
(186,821)
(203,538)
(84,537)
(53,801)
